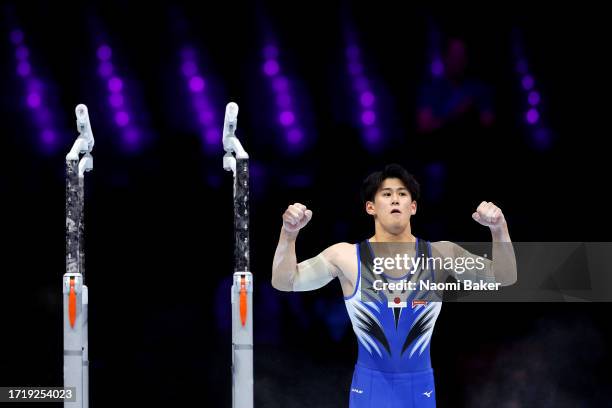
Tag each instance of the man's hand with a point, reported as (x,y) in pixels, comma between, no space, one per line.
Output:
(296,217)
(489,215)
(503,264)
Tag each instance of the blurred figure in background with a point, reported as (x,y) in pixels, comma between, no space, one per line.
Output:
(454,119)
(454,98)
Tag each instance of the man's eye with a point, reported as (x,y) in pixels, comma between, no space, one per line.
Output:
(386,194)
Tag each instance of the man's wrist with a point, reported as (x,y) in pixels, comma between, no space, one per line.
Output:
(289,235)
(500,232)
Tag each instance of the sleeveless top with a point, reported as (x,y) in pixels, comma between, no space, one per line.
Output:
(393,333)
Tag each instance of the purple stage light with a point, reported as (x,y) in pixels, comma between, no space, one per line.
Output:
(534,98)
(295,136)
(189,68)
(199,102)
(286,118)
(360,84)
(104,52)
(48,137)
(34,85)
(527,82)
(196,84)
(280,84)
(115,84)
(122,118)
(372,135)
(212,137)
(43,115)
(206,117)
(115,100)
(437,68)
(367,99)
(24,69)
(271,67)
(283,101)
(34,100)
(106,69)
(131,137)
(22,52)
(532,116)
(368,118)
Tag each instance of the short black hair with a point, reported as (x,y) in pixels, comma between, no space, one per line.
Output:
(372,183)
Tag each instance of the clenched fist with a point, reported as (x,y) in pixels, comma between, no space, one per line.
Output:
(489,215)
(296,217)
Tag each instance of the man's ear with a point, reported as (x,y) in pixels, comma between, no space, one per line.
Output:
(369,206)
(413,207)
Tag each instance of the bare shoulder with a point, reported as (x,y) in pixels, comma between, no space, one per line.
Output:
(343,256)
(443,248)
(339,251)
(450,249)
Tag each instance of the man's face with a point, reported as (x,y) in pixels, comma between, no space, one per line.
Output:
(392,206)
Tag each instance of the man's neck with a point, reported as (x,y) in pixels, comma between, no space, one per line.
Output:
(381,235)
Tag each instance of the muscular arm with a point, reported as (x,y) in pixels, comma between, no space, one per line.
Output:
(284,265)
(311,274)
(502,267)
(289,275)
(499,269)
(504,259)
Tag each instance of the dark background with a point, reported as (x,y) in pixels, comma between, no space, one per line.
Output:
(159,219)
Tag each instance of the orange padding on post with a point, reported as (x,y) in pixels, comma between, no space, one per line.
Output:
(72,303)
(243,301)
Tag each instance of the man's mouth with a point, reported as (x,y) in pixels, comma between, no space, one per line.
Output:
(395,211)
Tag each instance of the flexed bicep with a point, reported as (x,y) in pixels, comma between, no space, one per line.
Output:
(313,273)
